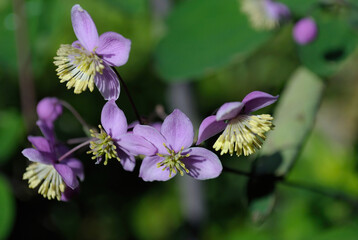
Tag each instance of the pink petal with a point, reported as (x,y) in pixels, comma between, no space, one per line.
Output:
(113,119)
(40,143)
(257,100)
(149,171)
(210,127)
(178,130)
(127,160)
(114,48)
(136,145)
(35,156)
(84,28)
(229,110)
(108,83)
(152,135)
(76,166)
(68,176)
(202,163)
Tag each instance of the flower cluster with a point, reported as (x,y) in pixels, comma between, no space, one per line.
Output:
(166,149)
(269,14)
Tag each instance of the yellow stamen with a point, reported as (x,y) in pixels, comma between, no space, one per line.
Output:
(257,14)
(244,134)
(103,145)
(77,67)
(52,184)
(173,161)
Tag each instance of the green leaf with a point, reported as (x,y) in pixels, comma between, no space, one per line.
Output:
(7,212)
(11,133)
(203,35)
(294,118)
(325,55)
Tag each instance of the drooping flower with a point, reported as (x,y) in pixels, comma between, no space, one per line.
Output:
(113,140)
(53,176)
(88,61)
(175,154)
(243,132)
(265,14)
(305,31)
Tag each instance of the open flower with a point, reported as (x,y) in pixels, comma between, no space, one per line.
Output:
(53,176)
(113,140)
(265,14)
(88,61)
(175,154)
(243,132)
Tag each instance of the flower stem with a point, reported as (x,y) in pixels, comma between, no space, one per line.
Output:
(315,189)
(129,95)
(74,149)
(76,114)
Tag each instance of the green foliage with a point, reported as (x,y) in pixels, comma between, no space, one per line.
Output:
(12,133)
(325,55)
(7,212)
(294,118)
(204,35)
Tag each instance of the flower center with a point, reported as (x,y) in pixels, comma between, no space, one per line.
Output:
(77,67)
(52,184)
(102,145)
(173,161)
(243,134)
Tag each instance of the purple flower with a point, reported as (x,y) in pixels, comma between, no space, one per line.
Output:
(88,61)
(49,109)
(265,14)
(175,153)
(53,176)
(243,132)
(113,140)
(305,31)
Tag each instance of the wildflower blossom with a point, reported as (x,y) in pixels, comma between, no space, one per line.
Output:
(243,132)
(113,140)
(88,61)
(53,176)
(265,14)
(305,31)
(175,154)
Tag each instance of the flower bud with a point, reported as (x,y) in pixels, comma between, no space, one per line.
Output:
(49,109)
(305,31)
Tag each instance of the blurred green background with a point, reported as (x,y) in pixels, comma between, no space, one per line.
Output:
(209,47)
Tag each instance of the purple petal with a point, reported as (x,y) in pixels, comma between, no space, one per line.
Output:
(229,110)
(47,129)
(149,171)
(67,174)
(210,127)
(35,156)
(114,48)
(257,100)
(136,145)
(133,124)
(49,109)
(152,135)
(113,119)
(84,28)
(76,166)
(157,125)
(108,83)
(178,130)
(40,143)
(127,160)
(305,31)
(69,194)
(202,163)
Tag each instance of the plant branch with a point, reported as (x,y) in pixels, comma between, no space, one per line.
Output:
(129,95)
(76,114)
(74,150)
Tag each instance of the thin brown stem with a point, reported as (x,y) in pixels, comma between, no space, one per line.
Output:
(76,114)
(129,95)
